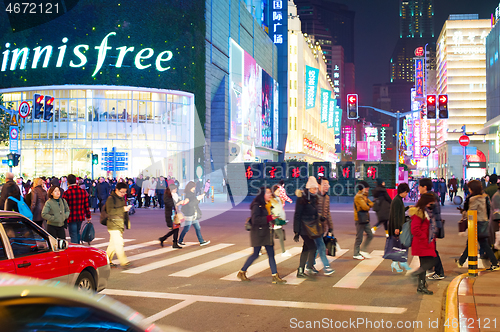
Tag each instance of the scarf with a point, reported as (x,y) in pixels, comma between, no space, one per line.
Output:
(433,229)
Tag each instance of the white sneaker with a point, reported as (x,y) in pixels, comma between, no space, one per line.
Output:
(365,254)
(204,243)
(373,230)
(286,254)
(358,257)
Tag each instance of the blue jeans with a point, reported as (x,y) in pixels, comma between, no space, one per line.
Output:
(74,231)
(187,226)
(320,245)
(255,255)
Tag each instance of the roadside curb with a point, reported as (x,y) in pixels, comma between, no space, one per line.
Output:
(451,308)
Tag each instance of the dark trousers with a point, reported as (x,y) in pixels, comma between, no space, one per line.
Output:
(308,251)
(147,201)
(443,197)
(483,244)
(139,200)
(159,196)
(438,265)
(102,201)
(426,263)
(255,255)
(174,232)
(57,232)
(452,193)
(384,222)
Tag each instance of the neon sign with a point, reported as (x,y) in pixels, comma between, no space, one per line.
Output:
(419,77)
(80,52)
(249,173)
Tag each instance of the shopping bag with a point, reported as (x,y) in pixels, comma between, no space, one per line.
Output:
(497,240)
(394,250)
(331,245)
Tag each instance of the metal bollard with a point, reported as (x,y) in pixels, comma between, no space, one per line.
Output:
(212,194)
(472,242)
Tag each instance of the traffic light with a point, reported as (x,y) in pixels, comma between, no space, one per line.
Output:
(38,103)
(10,159)
(443,106)
(352,106)
(47,109)
(431,106)
(95,159)
(15,159)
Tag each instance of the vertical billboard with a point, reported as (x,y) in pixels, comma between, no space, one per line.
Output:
(311,86)
(419,77)
(325,104)
(331,113)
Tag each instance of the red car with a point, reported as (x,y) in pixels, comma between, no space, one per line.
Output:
(28,250)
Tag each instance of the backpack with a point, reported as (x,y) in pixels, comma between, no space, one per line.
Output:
(22,207)
(405,236)
(88,233)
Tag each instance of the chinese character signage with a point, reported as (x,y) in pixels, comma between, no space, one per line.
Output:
(253,171)
(332,103)
(425,134)
(416,136)
(274,170)
(337,119)
(371,172)
(321,169)
(419,77)
(311,86)
(336,81)
(297,170)
(279,21)
(346,171)
(325,104)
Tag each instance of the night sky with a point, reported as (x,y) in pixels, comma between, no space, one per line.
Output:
(377,31)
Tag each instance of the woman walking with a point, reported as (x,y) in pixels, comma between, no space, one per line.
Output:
(280,219)
(171,207)
(262,234)
(479,201)
(306,215)
(382,205)
(397,219)
(152,192)
(423,243)
(38,199)
(55,211)
(192,213)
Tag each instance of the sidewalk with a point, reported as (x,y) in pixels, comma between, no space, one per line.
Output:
(473,304)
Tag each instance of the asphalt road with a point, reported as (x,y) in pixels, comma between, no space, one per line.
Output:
(194,289)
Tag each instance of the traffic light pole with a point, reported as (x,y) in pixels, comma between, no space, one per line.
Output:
(398,117)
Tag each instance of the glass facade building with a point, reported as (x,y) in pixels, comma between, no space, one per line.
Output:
(151,128)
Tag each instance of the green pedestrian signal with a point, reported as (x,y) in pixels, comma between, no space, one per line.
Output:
(95,159)
(10,161)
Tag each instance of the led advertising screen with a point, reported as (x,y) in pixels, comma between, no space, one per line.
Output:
(95,42)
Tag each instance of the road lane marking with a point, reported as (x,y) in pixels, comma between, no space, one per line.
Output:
(177,259)
(257,302)
(105,244)
(189,272)
(168,311)
(292,279)
(357,276)
(263,265)
(155,252)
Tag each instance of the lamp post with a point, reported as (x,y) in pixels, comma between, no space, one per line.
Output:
(398,115)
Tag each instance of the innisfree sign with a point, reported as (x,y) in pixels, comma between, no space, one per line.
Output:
(42,56)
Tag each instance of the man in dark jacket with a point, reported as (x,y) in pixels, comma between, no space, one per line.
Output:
(382,205)
(117,221)
(160,190)
(442,190)
(397,212)
(425,186)
(138,190)
(103,190)
(453,185)
(10,188)
(492,186)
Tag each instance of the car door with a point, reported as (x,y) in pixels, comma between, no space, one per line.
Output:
(6,264)
(33,254)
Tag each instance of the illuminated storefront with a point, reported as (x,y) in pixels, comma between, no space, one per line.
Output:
(313,112)
(461,73)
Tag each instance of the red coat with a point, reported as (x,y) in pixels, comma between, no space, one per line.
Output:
(420,245)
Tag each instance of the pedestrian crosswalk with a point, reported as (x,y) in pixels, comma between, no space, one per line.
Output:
(222,261)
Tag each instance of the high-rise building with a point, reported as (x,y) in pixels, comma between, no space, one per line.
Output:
(416,19)
(330,24)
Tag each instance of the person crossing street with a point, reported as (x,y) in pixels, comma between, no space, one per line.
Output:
(78,202)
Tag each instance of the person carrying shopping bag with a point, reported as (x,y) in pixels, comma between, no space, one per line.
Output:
(171,200)
(396,220)
(192,213)
(306,223)
(261,234)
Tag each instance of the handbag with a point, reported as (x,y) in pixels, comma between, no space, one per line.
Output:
(312,227)
(179,218)
(363,217)
(331,245)
(394,250)
(463,224)
(405,236)
(440,232)
(248,224)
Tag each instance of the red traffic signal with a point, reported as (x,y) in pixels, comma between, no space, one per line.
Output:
(443,106)
(431,106)
(37,105)
(47,109)
(352,106)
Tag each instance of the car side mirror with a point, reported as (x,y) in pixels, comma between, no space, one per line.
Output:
(62,244)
